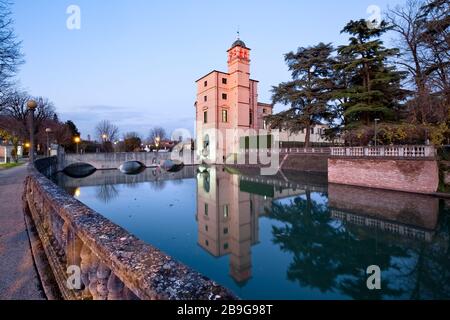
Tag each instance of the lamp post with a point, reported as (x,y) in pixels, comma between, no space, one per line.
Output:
(48,131)
(77,142)
(157,142)
(32,105)
(376,132)
(105,138)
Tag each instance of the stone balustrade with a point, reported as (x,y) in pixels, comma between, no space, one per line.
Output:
(385,151)
(112,263)
(291,151)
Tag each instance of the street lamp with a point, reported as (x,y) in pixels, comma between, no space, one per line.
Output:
(48,131)
(104,137)
(77,141)
(31,105)
(376,132)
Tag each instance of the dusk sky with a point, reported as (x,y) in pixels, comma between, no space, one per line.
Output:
(135,62)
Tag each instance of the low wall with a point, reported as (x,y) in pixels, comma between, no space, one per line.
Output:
(298,162)
(306,162)
(113,264)
(415,175)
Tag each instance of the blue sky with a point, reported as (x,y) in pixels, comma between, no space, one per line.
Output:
(134,62)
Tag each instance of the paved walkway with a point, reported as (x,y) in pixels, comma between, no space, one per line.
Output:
(18,276)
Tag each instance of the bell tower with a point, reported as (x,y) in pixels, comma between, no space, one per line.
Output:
(239,87)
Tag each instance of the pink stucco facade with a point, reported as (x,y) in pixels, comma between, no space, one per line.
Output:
(227,102)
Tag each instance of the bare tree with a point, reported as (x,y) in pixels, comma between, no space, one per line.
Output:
(423,30)
(436,37)
(107,131)
(15,107)
(157,133)
(407,22)
(10,54)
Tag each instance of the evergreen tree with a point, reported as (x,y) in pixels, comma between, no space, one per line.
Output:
(308,93)
(374,87)
(73,129)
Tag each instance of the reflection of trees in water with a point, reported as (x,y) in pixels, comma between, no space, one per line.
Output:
(132,184)
(107,192)
(429,276)
(177,181)
(329,257)
(158,185)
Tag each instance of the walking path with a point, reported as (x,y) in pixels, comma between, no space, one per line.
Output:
(18,276)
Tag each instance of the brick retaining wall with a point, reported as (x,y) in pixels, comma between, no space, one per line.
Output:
(306,162)
(419,176)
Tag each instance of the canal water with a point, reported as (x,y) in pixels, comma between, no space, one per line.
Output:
(291,236)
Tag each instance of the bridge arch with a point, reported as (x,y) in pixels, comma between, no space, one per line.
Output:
(132,167)
(79,170)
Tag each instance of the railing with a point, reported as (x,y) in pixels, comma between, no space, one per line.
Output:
(386,151)
(291,151)
(388,226)
(109,262)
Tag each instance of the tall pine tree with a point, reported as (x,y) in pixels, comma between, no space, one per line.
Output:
(374,87)
(308,93)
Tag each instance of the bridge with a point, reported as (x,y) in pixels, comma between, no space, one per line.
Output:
(103,161)
(111,177)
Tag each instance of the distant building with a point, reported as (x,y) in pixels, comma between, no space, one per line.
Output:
(317,135)
(228,101)
(5,153)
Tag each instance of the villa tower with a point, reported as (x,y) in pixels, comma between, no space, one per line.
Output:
(227,103)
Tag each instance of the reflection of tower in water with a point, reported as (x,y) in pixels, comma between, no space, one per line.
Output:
(228,220)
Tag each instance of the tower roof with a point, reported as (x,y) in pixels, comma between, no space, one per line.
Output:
(238,43)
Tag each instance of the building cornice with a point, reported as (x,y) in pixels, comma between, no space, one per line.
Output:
(214,71)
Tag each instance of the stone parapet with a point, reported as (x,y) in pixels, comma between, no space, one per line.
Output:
(112,263)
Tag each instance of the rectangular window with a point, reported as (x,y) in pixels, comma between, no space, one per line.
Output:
(225,211)
(226,246)
(205,98)
(225,231)
(312,130)
(206,209)
(251,117)
(224,81)
(224,96)
(224,116)
(206,228)
(206,83)
(205,117)
(264,111)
